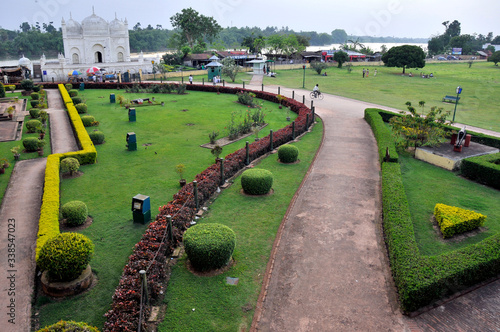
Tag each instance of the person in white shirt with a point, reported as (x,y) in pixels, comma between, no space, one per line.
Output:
(316,91)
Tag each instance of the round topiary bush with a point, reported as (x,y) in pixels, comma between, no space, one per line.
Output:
(69,326)
(73,93)
(209,246)
(75,213)
(65,256)
(256,181)
(288,153)
(35,95)
(76,100)
(34,113)
(31,144)
(70,165)
(97,137)
(34,103)
(2,91)
(32,125)
(27,85)
(87,120)
(81,108)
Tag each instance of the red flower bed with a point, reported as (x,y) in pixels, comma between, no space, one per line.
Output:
(152,251)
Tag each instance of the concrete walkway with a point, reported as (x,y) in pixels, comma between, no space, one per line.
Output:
(19,216)
(329,269)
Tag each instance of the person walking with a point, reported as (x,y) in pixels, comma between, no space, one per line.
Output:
(375,73)
(364,72)
(190,79)
(367,73)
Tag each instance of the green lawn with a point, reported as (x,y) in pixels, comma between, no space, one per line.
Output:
(174,134)
(426,185)
(480,99)
(255,220)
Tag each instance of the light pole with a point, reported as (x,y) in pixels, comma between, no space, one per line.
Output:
(458,91)
(304,77)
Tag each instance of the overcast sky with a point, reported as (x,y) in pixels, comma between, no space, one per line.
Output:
(398,18)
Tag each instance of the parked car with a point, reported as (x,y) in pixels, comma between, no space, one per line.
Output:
(441,58)
(451,57)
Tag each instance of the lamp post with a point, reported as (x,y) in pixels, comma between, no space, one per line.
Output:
(304,77)
(458,91)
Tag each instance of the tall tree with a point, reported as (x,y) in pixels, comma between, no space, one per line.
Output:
(230,68)
(195,28)
(340,57)
(406,56)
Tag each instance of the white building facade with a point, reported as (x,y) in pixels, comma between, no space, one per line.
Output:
(94,42)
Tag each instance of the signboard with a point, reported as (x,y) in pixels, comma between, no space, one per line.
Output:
(456,51)
(45,72)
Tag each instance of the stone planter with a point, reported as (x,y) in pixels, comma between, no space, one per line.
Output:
(182,182)
(67,288)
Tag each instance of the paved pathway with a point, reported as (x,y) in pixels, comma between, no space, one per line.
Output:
(19,216)
(329,267)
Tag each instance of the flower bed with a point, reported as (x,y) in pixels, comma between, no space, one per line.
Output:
(125,309)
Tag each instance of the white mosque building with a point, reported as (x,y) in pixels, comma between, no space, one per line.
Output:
(95,43)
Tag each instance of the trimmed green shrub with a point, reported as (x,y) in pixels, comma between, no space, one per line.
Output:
(31,144)
(65,256)
(76,100)
(81,108)
(69,326)
(37,88)
(35,96)
(34,103)
(75,212)
(256,181)
(97,137)
(68,86)
(87,120)
(32,125)
(34,113)
(483,169)
(2,91)
(73,93)
(383,135)
(209,246)
(27,85)
(288,153)
(70,165)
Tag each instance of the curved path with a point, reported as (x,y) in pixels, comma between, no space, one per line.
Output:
(329,269)
(19,216)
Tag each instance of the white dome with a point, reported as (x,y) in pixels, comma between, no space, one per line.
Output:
(73,28)
(95,25)
(24,62)
(117,27)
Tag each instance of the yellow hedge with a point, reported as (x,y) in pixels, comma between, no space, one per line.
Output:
(453,220)
(48,225)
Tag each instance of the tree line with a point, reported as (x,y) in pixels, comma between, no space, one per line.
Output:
(452,38)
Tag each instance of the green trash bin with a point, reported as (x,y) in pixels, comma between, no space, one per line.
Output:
(141,209)
(131,115)
(131,141)
(82,86)
(112,98)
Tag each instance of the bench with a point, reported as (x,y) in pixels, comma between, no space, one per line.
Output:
(451,98)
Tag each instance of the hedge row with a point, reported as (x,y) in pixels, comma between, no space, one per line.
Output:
(382,133)
(483,169)
(422,280)
(48,224)
(453,220)
(124,313)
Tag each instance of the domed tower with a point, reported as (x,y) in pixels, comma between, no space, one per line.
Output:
(72,32)
(120,46)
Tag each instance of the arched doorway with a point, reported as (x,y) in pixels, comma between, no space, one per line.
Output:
(98,57)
